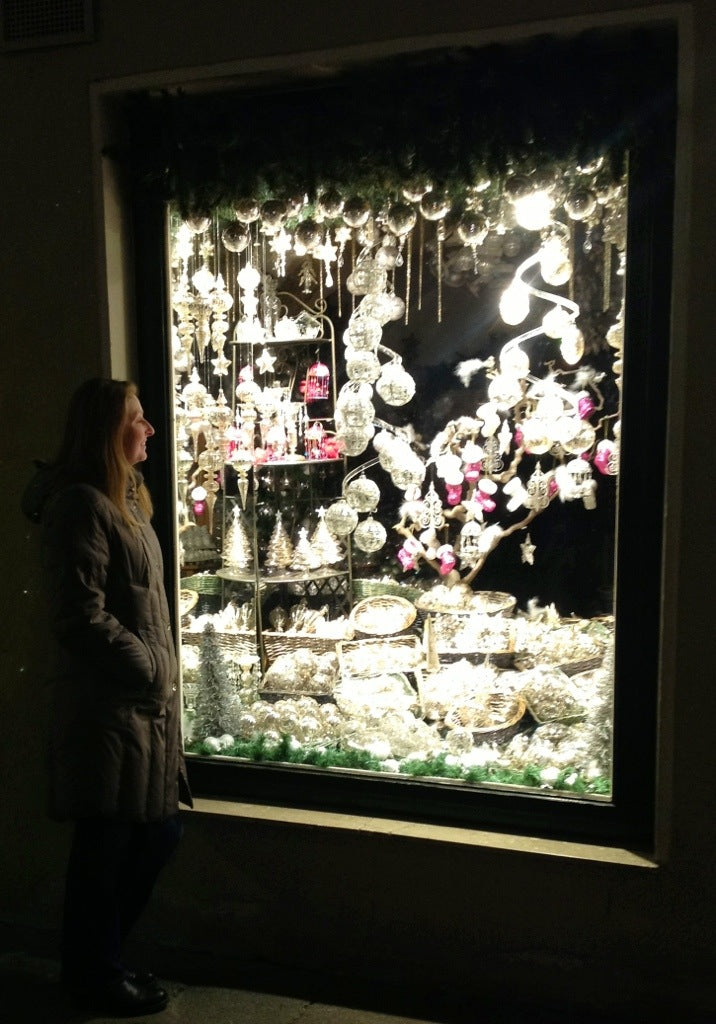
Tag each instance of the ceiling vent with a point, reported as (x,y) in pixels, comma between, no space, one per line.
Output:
(31,24)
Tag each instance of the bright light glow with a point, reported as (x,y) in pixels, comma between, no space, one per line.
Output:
(515,303)
(533,211)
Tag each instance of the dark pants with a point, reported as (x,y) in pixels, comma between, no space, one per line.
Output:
(112,869)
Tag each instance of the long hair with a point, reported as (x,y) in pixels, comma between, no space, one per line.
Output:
(92,449)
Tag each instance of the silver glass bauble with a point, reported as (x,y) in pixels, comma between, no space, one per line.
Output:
(362,493)
(356,211)
(341,518)
(370,535)
(236,236)
(247,210)
(395,385)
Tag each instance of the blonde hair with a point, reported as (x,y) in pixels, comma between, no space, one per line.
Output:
(92,449)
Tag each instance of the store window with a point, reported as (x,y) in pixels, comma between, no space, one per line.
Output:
(410,398)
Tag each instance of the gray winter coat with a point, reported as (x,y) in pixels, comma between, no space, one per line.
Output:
(115,745)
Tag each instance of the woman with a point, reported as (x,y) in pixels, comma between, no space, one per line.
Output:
(116,764)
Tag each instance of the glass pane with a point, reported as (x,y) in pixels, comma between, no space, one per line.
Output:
(397,436)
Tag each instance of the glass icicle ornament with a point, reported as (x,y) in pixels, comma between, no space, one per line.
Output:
(370,535)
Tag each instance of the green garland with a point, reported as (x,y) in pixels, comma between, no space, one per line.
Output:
(568,780)
(455,116)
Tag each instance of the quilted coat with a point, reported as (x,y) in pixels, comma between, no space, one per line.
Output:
(115,745)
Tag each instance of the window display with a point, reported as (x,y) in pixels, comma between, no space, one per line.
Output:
(398,437)
(419,316)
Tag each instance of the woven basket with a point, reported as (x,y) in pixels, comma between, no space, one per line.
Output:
(376,588)
(275,644)
(204,583)
(378,655)
(243,642)
(383,615)
(506,711)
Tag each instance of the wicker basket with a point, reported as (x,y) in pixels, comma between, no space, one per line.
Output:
(376,588)
(379,655)
(202,582)
(506,712)
(275,644)
(242,642)
(383,615)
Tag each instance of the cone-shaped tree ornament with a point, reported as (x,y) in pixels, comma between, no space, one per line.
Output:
(279,554)
(237,547)
(326,547)
(305,558)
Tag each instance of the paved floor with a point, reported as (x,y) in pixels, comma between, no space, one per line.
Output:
(30,993)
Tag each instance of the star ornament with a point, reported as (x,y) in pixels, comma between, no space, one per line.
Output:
(528,551)
(265,362)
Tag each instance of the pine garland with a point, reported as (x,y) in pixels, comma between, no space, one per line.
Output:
(455,116)
(286,751)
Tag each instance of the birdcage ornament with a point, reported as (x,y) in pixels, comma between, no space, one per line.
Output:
(318,382)
(468,543)
(537,490)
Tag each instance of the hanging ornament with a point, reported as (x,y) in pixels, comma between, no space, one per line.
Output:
(266,361)
(236,236)
(467,545)
(370,535)
(247,210)
(430,512)
(318,382)
(273,215)
(197,224)
(572,344)
(341,518)
(363,332)
(356,211)
(362,494)
(416,187)
(527,549)
(472,229)
(330,204)
(537,490)
(435,206)
(395,385)
(362,366)
(308,235)
(580,203)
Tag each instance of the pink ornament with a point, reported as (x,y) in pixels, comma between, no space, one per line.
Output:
(519,437)
(406,560)
(552,487)
(453,493)
(605,451)
(447,564)
(585,407)
(472,472)
(199,508)
(484,501)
